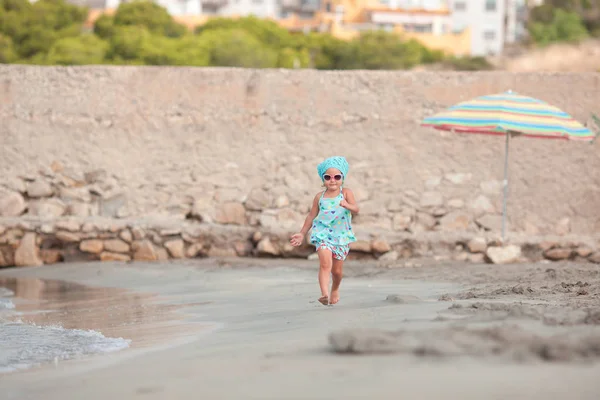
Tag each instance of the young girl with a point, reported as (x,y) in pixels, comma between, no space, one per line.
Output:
(331,221)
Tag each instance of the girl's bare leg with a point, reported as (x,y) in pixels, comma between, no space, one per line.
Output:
(325,261)
(336,273)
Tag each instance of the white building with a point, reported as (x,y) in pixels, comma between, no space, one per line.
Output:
(259,8)
(493,23)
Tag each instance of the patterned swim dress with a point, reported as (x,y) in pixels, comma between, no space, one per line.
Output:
(332,228)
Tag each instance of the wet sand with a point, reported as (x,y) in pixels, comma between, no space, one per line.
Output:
(430,331)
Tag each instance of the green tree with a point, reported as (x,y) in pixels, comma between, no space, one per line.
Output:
(7,50)
(268,32)
(564,27)
(238,48)
(35,27)
(81,50)
(104,26)
(149,15)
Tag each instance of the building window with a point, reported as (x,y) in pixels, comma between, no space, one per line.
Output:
(489,35)
(328,7)
(490,5)
(460,6)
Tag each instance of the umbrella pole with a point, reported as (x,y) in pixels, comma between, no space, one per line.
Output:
(505,184)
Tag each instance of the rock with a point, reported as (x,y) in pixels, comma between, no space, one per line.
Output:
(231,213)
(256,236)
(27,254)
(126,236)
(268,219)
(563,226)
(202,209)
(492,187)
(196,250)
(282,201)
(455,221)
(477,245)
(243,248)
(289,219)
(51,256)
(313,257)
(68,225)
(38,189)
(482,205)
(595,257)
(48,208)
(175,231)
(431,199)
(108,256)
(504,255)
(116,246)
(401,222)
(547,245)
(459,178)
(112,206)
(47,229)
(7,257)
(530,228)
(67,237)
(265,246)
(95,176)
(364,341)
(162,254)
(361,245)
(558,253)
(176,248)
(403,299)
(79,209)
(477,258)
(583,251)
(138,233)
(395,205)
(2,230)
(80,194)
(390,256)
(425,220)
(15,184)
(456,203)
(461,256)
(433,182)
(144,250)
(258,200)
(12,205)
(93,246)
(380,246)
(490,222)
(439,212)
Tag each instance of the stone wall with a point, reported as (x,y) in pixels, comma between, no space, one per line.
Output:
(232,153)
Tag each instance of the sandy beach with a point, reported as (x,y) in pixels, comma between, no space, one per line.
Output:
(252,328)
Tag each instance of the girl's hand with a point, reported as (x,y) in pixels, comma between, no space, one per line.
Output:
(297,239)
(344,203)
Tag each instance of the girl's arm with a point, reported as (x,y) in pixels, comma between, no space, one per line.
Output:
(349,202)
(312,214)
(298,238)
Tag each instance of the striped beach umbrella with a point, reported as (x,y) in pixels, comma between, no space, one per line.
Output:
(509,114)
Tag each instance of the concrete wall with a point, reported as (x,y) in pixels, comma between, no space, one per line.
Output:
(241,147)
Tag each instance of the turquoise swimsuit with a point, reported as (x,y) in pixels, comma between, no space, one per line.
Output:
(332,228)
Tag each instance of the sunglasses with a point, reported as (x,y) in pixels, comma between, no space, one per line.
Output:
(337,177)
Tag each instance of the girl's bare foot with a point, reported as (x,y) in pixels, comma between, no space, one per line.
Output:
(324,300)
(335,296)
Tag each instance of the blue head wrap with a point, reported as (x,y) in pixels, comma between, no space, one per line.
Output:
(333,162)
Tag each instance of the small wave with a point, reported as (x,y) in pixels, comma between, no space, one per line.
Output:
(26,345)
(6,292)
